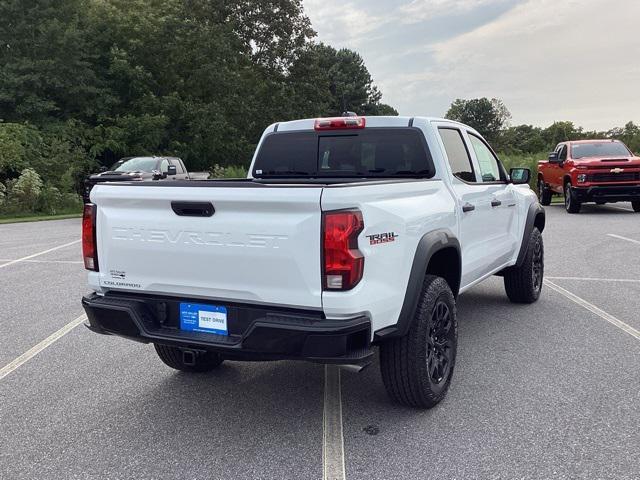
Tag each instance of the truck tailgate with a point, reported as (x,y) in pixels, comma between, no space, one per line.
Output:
(262,244)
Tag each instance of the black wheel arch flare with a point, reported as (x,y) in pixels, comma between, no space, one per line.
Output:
(536,217)
(429,245)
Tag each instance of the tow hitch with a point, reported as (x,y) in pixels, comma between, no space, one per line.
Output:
(189,357)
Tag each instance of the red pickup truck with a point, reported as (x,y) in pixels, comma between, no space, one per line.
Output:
(599,171)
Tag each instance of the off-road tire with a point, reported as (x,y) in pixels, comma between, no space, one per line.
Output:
(412,366)
(544,194)
(172,356)
(635,206)
(570,203)
(523,283)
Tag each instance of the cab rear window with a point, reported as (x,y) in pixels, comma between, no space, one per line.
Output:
(373,152)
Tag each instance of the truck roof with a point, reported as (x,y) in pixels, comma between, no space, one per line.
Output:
(376,121)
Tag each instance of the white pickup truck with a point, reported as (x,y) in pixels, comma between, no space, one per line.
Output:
(348,233)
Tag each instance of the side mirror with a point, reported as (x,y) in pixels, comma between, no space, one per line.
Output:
(553,157)
(171,170)
(103,169)
(520,176)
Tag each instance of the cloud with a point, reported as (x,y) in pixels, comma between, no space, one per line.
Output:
(547,59)
(421,10)
(342,23)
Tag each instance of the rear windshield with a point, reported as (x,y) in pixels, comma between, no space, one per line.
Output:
(372,152)
(599,149)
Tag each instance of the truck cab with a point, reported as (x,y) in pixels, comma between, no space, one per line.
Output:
(600,171)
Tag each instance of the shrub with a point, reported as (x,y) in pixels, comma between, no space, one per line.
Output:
(49,200)
(26,190)
(527,160)
(232,171)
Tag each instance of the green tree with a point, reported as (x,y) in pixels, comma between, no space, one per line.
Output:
(629,134)
(487,116)
(87,80)
(20,146)
(522,139)
(561,132)
(47,71)
(272,31)
(336,81)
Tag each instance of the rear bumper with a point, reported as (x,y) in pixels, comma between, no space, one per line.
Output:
(607,193)
(255,333)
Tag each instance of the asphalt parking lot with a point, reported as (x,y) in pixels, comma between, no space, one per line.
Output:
(550,390)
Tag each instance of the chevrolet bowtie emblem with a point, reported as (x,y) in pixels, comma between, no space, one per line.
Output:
(617,170)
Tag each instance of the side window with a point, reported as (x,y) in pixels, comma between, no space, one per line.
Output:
(487,161)
(562,156)
(164,165)
(457,154)
(179,169)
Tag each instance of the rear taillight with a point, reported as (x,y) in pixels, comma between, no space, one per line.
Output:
(343,262)
(340,123)
(89,247)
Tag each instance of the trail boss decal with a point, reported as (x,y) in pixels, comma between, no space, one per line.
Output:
(378,238)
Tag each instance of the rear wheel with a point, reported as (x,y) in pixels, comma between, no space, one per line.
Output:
(198,362)
(417,368)
(544,194)
(570,203)
(524,283)
(636,206)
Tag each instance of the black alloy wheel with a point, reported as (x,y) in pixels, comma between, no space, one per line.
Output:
(538,265)
(440,343)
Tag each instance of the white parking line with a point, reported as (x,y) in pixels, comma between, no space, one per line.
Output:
(43,261)
(333,441)
(595,279)
(39,253)
(33,351)
(592,308)
(620,237)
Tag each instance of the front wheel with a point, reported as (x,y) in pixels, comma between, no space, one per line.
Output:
(198,362)
(636,206)
(570,203)
(523,284)
(417,368)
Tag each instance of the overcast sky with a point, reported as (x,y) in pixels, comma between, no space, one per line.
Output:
(546,59)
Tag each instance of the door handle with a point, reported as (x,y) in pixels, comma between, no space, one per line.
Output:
(467,207)
(496,203)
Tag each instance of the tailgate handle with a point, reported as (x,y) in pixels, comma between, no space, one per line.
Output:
(193,209)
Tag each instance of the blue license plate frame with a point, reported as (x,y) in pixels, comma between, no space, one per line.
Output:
(204,318)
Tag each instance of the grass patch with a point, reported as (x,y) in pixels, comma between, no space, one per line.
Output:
(37,217)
